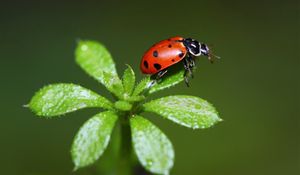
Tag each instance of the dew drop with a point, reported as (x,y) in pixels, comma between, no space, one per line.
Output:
(149,162)
(195,125)
(84,47)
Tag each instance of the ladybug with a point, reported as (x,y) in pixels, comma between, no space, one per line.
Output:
(166,53)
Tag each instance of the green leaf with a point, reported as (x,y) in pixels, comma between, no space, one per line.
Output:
(189,111)
(95,59)
(128,80)
(168,81)
(92,139)
(153,148)
(57,99)
(114,85)
(123,105)
(142,86)
(136,98)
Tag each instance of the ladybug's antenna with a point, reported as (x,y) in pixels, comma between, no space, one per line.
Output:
(212,57)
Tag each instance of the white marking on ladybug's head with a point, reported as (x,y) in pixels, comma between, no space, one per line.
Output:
(195,53)
(204,49)
(193,47)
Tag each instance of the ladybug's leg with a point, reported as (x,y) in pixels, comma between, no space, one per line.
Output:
(191,61)
(187,70)
(188,65)
(157,78)
(191,64)
(161,73)
(186,79)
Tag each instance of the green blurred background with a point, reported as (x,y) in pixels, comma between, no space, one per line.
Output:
(255,86)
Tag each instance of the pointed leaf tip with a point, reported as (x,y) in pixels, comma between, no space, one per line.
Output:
(128,80)
(142,86)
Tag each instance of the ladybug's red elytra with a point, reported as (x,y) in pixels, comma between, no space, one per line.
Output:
(171,51)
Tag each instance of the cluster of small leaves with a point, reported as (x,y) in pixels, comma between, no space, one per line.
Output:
(152,147)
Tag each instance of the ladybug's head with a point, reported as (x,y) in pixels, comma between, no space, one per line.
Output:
(196,48)
(204,50)
(193,46)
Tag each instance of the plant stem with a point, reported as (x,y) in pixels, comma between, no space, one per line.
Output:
(125,165)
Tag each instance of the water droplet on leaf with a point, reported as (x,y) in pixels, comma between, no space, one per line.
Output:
(84,47)
(149,162)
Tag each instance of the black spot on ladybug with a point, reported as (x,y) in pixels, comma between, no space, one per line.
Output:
(146,64)
(155,53)
(169,39)
(173,60)
(169,45)
(181,54)
(157,66)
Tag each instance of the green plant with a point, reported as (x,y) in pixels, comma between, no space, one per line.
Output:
(152,147)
